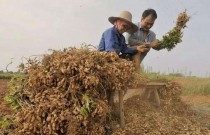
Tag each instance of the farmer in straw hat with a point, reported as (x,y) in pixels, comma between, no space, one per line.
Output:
(113,40)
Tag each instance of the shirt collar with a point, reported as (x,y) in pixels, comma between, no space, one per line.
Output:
(140,28)
(139,25)
(115,30)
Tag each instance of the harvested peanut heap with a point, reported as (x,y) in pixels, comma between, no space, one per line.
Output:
(174,36)
(66,92)
(173,117)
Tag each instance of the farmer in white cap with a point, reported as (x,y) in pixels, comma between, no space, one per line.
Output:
(113,40)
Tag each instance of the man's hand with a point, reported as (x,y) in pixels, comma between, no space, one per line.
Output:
(155,43)
(142,48)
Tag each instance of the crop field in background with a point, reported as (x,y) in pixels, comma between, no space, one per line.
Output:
(190,84)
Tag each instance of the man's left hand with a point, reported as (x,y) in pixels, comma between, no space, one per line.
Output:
(155,43)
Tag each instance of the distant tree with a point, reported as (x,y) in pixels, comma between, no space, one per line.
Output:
(8,65)
(190,73)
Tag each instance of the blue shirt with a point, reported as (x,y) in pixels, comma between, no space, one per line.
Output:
(112,40)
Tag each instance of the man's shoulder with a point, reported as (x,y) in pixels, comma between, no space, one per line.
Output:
(152,32)
(109,30)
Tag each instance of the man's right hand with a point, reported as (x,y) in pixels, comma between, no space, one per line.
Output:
(142,48)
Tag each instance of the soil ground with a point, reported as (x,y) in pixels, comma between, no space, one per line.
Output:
(200,104)
(4,109)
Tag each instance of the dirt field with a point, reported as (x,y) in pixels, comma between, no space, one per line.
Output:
(3,87)
(199,104)
(4,109)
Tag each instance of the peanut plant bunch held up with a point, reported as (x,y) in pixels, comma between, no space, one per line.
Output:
(174,36)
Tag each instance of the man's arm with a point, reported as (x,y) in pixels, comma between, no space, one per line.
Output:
(154,44)
(129,50)
(134,49)
(157,48)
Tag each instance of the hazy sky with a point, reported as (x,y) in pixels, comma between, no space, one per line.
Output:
(31,27)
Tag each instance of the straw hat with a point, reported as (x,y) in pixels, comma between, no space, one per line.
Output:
(125,16)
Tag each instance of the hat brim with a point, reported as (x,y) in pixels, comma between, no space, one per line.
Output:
(133,28)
